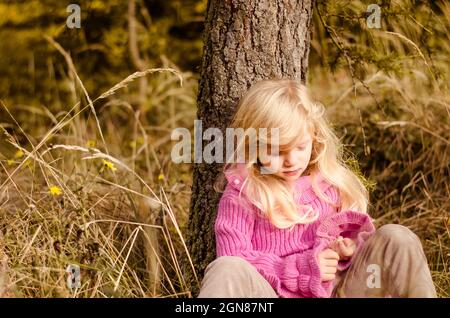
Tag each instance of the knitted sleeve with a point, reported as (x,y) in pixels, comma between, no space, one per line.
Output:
(296,275)
(355,225)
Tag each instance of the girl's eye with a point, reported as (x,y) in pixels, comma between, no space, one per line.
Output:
(301,148)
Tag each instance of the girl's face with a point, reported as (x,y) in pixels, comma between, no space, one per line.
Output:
(289,164)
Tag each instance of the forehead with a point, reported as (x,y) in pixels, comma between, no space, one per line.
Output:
(303,139)
(290,137)
(304,136)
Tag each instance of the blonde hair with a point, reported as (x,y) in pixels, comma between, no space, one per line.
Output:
(286,105)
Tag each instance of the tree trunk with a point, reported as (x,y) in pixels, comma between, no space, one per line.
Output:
(244,41)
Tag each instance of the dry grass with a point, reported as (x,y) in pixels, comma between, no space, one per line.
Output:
(66,200)
(398,125)
(123,205)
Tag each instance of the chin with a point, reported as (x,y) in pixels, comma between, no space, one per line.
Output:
(292,178)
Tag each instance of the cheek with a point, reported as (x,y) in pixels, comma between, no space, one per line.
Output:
(304,156)
(270,161)
(276,162)
(307,153)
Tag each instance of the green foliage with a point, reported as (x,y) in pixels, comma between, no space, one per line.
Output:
(346,40)
(32,74)
(386,91)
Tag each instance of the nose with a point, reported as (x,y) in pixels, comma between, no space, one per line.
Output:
(289,160)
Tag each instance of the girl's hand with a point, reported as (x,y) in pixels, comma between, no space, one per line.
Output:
(328,261)
(345,247)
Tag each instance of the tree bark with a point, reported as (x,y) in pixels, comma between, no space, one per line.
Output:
(244,41)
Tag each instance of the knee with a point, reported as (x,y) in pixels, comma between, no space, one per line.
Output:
(398,234)
(228,276)
(228,271)
(229,265)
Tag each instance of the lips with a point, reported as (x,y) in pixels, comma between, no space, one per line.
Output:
(292,172)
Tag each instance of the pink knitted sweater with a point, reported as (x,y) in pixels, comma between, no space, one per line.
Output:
(286,259)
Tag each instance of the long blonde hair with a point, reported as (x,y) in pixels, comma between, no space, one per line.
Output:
(286,105)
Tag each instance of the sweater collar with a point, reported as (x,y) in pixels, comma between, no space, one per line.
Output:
(303,185)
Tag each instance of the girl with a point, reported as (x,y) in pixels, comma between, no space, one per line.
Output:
(302,230)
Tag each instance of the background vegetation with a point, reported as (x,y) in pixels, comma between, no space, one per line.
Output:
(85,170)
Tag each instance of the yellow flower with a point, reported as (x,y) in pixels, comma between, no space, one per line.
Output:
(10,162)
(161,177)
(90,144)
(27,164)
(134,143)
(140,140)
(109,165)
(18,154)
(55,190)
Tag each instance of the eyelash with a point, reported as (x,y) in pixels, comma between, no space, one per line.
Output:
(282,152)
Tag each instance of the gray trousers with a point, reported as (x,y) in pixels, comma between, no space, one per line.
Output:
(390,264)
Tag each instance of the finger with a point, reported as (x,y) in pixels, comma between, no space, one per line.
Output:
(330,254)
(337,240)
(347,242)
(335,246)
(330,262)
(343,248)
(327,277)
(329,270)
(350,244)
(347,251)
